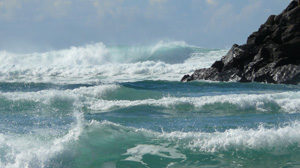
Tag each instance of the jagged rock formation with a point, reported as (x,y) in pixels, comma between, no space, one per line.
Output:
(272,54)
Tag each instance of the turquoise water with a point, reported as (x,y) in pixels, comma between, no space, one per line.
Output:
(62,109)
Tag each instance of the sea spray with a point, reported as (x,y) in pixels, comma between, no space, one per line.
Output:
(164,60)
(123,106)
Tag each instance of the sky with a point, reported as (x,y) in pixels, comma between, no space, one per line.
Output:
(39,25)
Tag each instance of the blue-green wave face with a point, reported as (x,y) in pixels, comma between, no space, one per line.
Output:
(76,109)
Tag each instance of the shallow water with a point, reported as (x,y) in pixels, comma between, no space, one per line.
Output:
(64,109)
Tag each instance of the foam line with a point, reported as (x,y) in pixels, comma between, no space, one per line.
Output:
(288,101)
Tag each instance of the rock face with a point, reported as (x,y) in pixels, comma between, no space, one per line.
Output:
(272,54)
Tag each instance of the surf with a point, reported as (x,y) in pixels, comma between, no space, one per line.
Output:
(163,60)
(123,106)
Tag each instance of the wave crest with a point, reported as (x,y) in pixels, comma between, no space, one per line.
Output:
(99,53)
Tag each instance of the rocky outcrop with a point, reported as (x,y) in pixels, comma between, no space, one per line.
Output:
(271,54)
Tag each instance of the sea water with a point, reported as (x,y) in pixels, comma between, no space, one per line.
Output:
(123,106)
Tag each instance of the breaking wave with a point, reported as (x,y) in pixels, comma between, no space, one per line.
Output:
(99,54)
(135,145)
(119,106)
(108,97)
(164,60)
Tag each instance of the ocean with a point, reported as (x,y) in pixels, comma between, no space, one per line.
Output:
(101,106)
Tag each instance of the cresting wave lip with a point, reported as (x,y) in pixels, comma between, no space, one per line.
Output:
(172,145)
(277,139)
(270,139)
(94,62)
(287,101)
(35,150)
(93,99)
(146,70)
(99,54)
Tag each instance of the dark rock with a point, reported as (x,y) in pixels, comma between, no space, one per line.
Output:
(218,65)
(277,19)
(270,20)
(186,78)
(272,54)
(276,35)
(288,33)
(291,6)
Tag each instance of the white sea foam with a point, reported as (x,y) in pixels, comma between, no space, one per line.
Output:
(90,63)
(278,139)
(95,54)
(136,153)
(118,72)
(33,151)
(273,139)
(47,99)
(92,98)
(288,101)
(97,62)
(45,95)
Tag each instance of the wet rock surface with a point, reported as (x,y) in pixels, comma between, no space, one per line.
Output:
(271,54)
